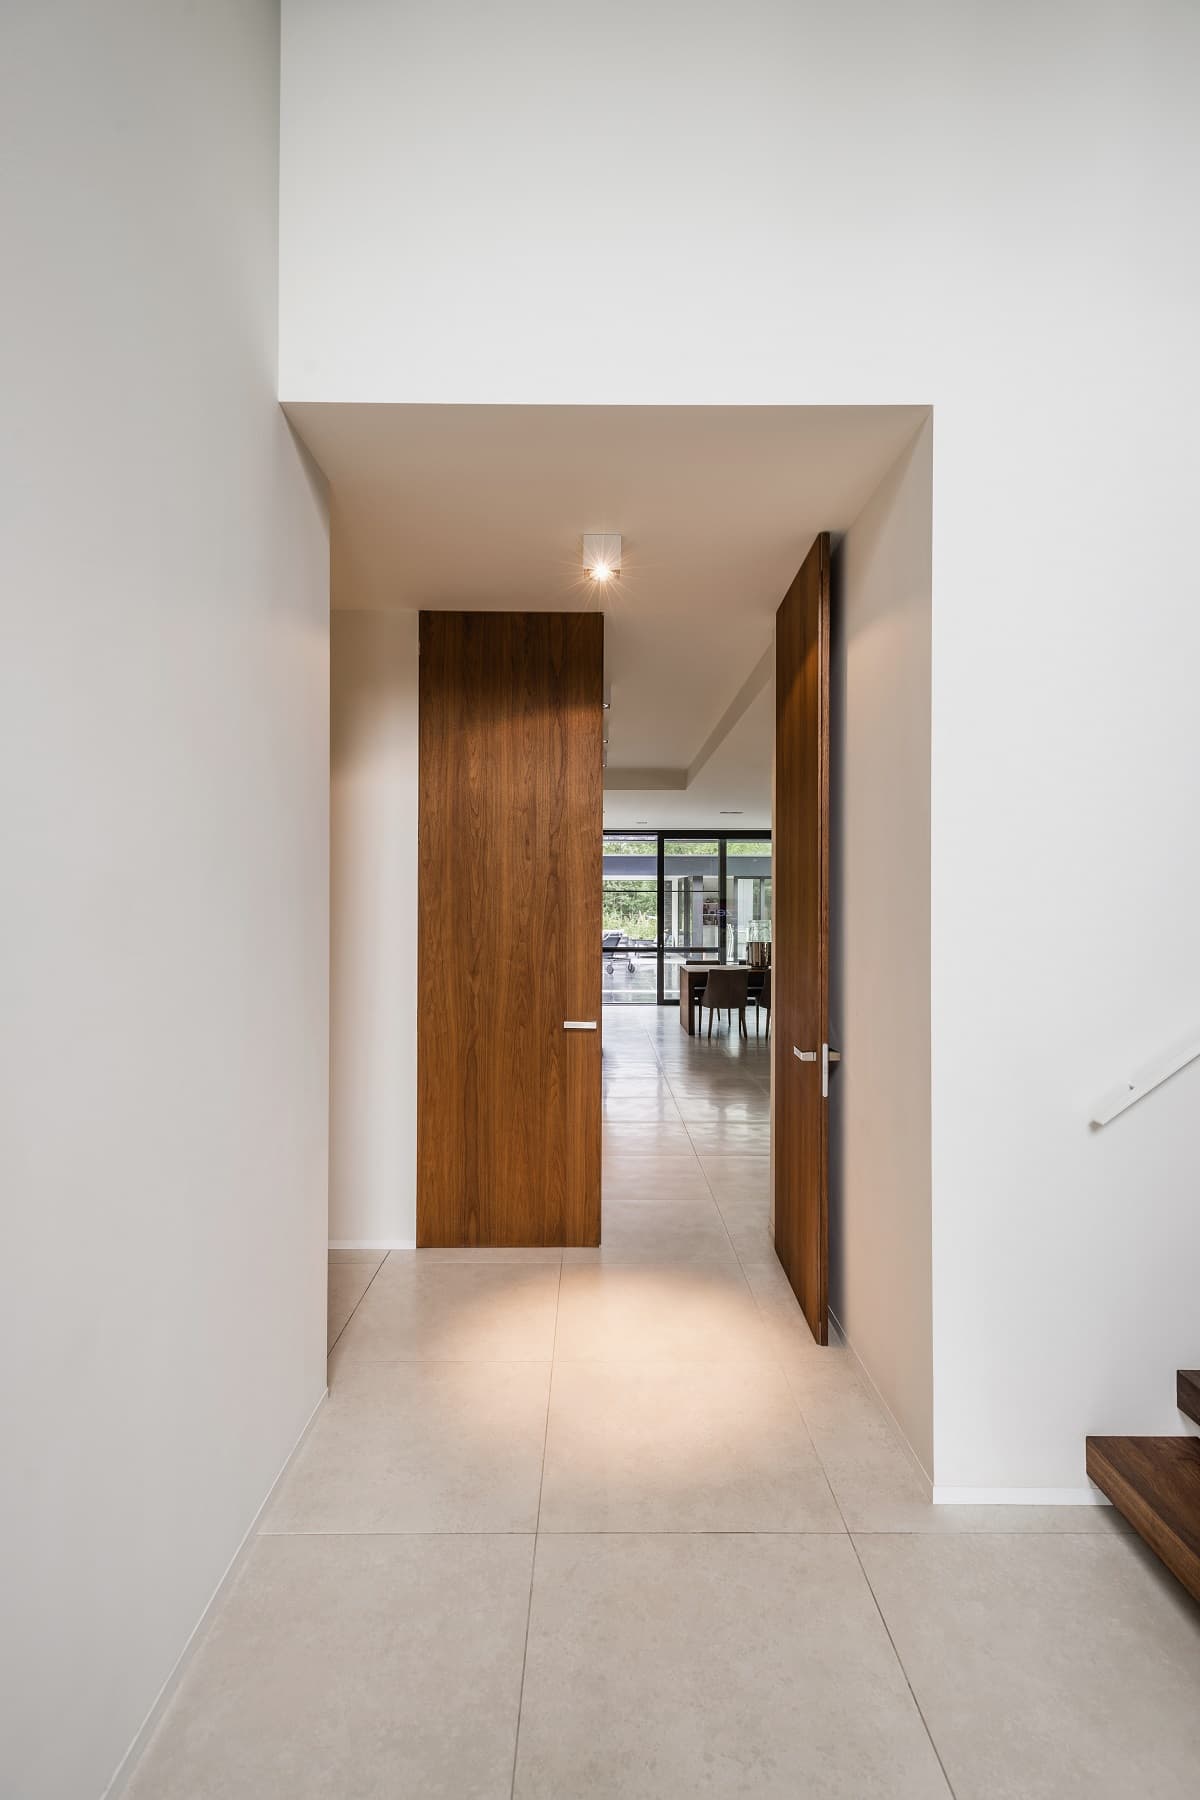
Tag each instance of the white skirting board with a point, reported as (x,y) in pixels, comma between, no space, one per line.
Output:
(372,1244)
(1027,1496)
(166,1693)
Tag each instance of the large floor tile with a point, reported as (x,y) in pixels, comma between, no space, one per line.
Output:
(348,1282)
(647,1135)
(873,1476)
(748,1223)
(780,1309)
(640,1109)
(626,1196)
(747,1205)
(359,1667)
(711,1080)
(772,1289)
(640,1229)
(675,1157)
(738,1178)
(699,1312)
(736,1162)
(452,1312)
(679,1447)
(742,1200)
(647,1183)
(1048,1668)
(717,1109)
(664,1667)
(738,1181)
(655,1179)
(421,1447)
(642,1091)
(742,1137)
(622,1070)
(875,1480)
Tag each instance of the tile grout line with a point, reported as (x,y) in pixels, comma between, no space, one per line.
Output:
(738,1258)
(337,1340)
(775,1354)
(900,1665)
(641,1531)
(820,1461)
(699,1163)
(773,1350)
(849,1535)
(537,1525)
(489,1531)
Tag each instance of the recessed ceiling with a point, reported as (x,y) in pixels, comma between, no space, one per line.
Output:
(484,507)
(736,781)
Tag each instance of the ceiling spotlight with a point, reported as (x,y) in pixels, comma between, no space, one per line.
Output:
(601,554)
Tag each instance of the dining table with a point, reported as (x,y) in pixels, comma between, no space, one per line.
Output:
(693,975)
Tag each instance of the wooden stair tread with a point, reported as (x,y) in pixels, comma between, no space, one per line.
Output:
(1187,1392)
(1155,1483)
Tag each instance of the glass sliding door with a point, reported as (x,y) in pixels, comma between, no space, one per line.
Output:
(672,897)
(693,912)
(748,891)
(629,920)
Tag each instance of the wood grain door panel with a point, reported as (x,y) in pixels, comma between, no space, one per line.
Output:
(800,949)
(510,842)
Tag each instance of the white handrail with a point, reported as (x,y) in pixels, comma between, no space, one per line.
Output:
(1151,1076)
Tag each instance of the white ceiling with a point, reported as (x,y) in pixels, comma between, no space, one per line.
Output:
(483,507)
(733,790)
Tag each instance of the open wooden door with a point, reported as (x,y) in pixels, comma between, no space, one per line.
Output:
(800,950)
(509,878)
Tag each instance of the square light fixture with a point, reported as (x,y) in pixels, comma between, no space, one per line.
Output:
(601,554)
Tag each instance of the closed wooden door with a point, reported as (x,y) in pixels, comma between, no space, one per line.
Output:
(800,949)
(510,838)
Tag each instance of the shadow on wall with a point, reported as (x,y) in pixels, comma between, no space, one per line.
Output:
(373,929)
(880,1183)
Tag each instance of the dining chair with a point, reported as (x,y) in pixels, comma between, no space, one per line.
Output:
(724,991)
(761,1002)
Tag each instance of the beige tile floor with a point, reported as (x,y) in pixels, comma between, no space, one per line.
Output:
(608,1525)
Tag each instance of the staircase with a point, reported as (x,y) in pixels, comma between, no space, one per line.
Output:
(1155,1482)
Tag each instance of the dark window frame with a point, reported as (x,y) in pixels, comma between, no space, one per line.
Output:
(722,839)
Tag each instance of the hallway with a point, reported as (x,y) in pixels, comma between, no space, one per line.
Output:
(606,1523)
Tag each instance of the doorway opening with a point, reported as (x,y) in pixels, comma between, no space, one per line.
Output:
(717,508)
(673,898)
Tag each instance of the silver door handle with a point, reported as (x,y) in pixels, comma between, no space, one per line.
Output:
(827,1056)
(579,1024)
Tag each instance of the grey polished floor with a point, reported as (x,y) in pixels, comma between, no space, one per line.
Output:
(608,1524)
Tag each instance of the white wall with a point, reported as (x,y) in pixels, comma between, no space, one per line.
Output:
(163,910)
(880,1178)
(373,1120)
(988,209)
